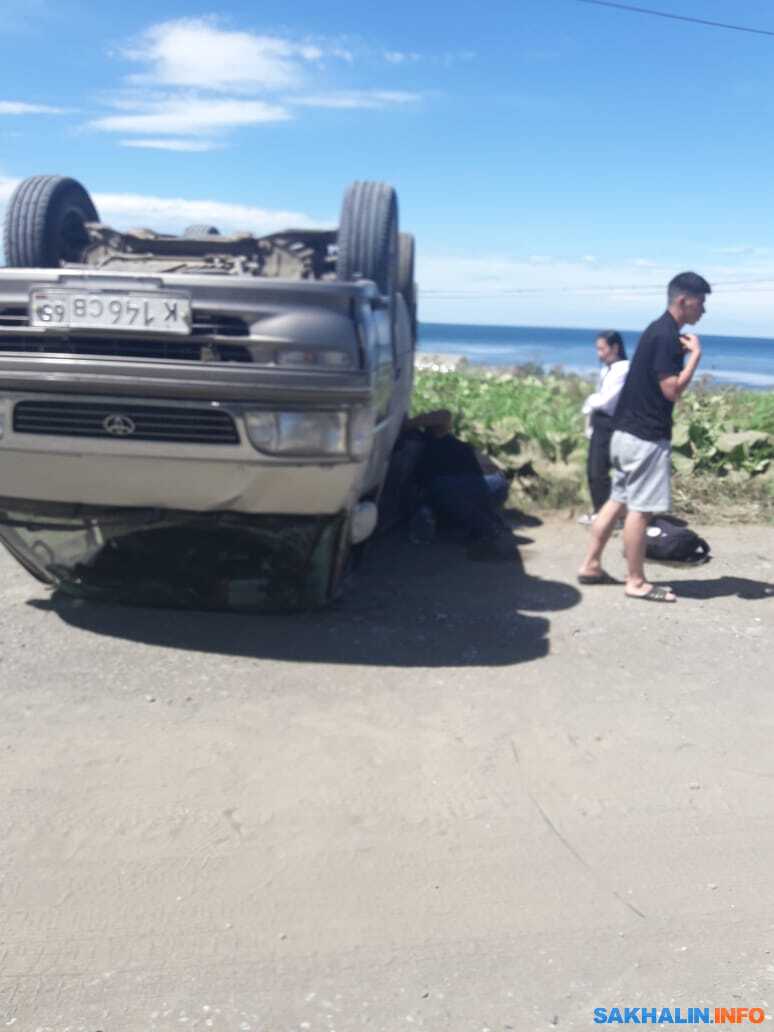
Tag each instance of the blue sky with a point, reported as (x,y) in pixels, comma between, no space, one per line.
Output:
(557,161)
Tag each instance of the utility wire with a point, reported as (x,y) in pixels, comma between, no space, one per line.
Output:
(678,17)
(740,286)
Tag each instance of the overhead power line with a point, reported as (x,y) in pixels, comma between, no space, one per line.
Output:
(678,17)
(753,286)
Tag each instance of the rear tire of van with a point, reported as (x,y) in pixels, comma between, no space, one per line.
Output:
(368,236)
(45,222)
(406,283)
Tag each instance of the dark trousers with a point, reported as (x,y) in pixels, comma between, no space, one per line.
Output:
(463,501)
(598,463)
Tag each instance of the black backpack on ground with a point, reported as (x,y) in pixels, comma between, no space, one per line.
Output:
(669,542)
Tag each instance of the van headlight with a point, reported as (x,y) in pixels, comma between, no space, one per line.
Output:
(298,433)
(361,431)
(320,358)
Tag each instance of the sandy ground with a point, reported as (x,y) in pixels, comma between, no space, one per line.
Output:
(468,798)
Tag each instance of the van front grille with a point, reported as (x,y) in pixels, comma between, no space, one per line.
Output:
(14,315)
(206,324)
(125,422)
(186,349)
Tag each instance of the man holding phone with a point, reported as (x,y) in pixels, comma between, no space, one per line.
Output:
(641,452)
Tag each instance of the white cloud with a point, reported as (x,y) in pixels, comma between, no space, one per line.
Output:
(7,187)
(448,59)
(741,251)
(197,77)
(185,115)
(560,291)
(19,107)
(533,275)
(173,214)
(456,56)
(190,146)
(195,52)
(352,99)
(400,57)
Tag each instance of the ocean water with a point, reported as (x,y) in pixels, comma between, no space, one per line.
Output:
(742,361)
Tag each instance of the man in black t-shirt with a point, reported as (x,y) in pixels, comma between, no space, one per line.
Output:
(640,449)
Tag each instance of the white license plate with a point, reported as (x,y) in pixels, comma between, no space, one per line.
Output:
(100,310)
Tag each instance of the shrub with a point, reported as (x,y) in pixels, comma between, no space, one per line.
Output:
(532,424)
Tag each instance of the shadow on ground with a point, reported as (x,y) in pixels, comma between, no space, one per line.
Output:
(720,587)
(406,606)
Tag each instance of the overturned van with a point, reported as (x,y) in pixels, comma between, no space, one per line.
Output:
(200,420)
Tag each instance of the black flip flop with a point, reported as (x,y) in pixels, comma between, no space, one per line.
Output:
(658,593)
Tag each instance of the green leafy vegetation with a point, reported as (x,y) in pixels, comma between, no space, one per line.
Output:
(724,432)
(531,424)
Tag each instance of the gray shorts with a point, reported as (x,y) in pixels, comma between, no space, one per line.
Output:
(642,473)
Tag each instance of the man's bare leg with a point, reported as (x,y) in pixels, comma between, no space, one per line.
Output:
(600,532)
(635,541)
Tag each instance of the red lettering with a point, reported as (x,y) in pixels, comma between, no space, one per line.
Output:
(725,1015)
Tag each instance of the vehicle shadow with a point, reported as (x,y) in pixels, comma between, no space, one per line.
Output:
(741,587)
(407,605)
(519,518)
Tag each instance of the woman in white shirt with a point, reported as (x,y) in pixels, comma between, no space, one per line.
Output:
(599,409)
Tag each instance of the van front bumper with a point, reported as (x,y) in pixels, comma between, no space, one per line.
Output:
(207,475)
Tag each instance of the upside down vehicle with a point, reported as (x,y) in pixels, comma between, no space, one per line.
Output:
(200,420)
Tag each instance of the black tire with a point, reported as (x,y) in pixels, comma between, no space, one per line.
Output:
(45,222)
(406,283)
(368,235)
(201,231)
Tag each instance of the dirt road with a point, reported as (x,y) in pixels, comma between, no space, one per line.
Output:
(468,798)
